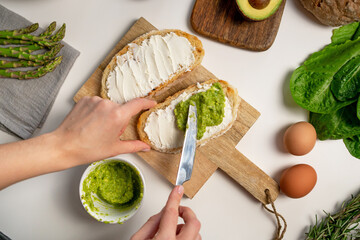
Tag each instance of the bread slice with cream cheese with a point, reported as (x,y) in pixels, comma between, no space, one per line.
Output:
(157,126)
(149,63)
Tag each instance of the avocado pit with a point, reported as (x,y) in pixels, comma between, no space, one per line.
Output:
(259,4)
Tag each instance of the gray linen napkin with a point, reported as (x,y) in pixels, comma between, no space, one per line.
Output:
(25,104)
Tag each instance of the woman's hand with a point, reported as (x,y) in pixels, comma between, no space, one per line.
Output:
(92,129)
(164,225)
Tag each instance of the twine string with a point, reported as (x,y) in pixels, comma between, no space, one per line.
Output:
(280,231)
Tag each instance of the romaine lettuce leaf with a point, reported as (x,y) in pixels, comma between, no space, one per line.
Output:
(310,83)
(346,82)
(347,32)
(353,145)
(342,123)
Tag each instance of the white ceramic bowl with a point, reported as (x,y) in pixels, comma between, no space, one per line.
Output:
(107,213)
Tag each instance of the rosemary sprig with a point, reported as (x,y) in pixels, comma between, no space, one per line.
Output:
(343,225)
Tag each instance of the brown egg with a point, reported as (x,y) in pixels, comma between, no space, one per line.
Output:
(300,138)
(297,181)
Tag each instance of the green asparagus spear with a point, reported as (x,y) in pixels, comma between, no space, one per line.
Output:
(14,42)
(26,30)
(5,52)
(23,75)
(44,41)
(26,49)
(20,63)
(50,29)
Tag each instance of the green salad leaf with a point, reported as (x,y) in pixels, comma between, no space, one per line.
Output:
(310,83)
(341,35)
(347,32)
(346,82)
(353,145)
(358,108)
(340,124)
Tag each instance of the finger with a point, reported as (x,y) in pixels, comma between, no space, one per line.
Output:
(168,223)
(192,224)
(149,229)
(130,146)
(136,105)
(179,227)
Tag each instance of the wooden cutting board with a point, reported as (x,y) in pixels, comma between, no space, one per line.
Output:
(219,152)
(221,20)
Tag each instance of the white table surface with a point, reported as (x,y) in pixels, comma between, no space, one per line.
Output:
(48,207)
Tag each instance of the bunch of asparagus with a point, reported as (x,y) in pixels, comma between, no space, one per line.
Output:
(17,49)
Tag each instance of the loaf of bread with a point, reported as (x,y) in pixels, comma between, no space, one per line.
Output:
(149,63)
(334,12)
(157,126)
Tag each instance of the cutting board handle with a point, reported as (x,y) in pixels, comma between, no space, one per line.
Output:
(243,171)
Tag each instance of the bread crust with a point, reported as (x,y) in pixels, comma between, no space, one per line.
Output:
(230,92)
(194,41)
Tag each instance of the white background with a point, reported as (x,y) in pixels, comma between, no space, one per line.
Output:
(48,207)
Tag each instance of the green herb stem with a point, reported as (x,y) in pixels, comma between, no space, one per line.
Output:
(343,225)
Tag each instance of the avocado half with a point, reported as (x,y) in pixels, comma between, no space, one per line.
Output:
(258,10)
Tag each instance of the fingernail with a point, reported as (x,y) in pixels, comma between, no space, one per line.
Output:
(180,189)
(145,150)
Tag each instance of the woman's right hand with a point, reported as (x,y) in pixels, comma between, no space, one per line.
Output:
(164,225)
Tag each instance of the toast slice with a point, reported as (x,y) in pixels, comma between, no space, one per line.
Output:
(160,82)
(159,122)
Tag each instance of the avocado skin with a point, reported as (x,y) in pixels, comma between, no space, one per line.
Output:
(248,11)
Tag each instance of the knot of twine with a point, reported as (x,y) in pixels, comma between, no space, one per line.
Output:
(280,231)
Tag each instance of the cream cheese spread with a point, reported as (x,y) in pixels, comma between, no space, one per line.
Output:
(145,67)
(161,128)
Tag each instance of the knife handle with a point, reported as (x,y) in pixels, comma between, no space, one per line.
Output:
(242,170)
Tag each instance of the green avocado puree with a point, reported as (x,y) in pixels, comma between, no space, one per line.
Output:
(114,182)
(210,109)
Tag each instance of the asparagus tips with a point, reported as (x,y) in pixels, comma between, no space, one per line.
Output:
(24,75)
(54,50)
(60,34)
(29,29)
(50,29)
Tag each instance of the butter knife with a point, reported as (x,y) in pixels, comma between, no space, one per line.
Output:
(189,147)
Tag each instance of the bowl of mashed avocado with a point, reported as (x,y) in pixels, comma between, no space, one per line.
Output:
(112,190)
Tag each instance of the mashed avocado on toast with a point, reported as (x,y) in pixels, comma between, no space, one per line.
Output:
(210,109)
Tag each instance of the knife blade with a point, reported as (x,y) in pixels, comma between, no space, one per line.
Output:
(188,150)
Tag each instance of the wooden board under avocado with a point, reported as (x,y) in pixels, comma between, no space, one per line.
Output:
(219,152)
(221,20)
